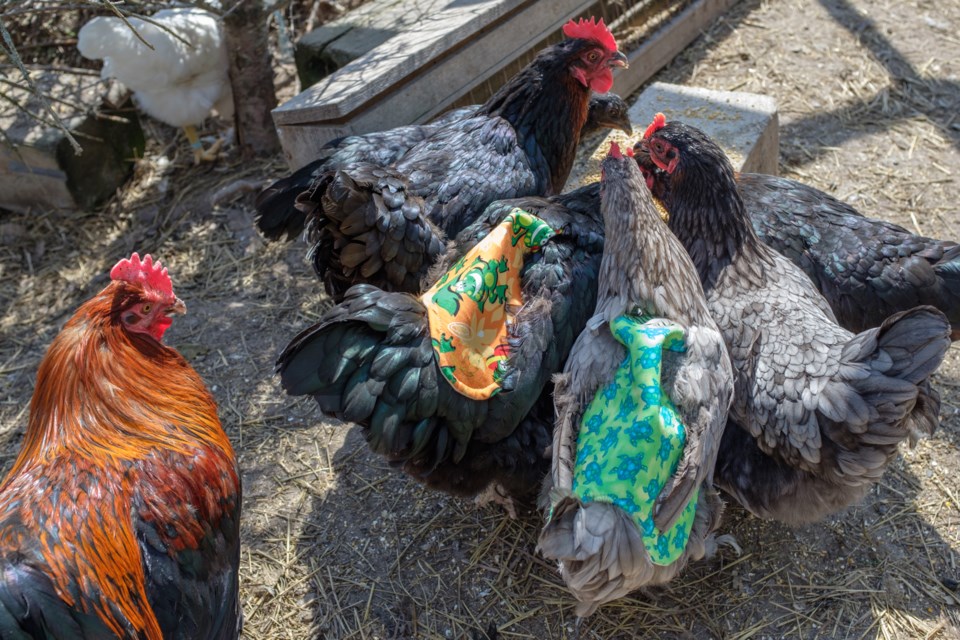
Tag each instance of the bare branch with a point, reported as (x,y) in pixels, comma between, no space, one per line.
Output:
(11,51)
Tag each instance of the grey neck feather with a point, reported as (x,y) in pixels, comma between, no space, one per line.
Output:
(642,269)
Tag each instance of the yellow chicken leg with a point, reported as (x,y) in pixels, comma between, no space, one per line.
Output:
(199,155)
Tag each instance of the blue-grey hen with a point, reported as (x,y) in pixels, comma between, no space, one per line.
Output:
(632,498)
(819,412)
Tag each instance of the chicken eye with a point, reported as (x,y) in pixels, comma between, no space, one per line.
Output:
(593,56)
(146,308)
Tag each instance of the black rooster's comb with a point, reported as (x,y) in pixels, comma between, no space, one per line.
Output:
(591,30)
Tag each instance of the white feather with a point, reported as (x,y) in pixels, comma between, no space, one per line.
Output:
(177,82)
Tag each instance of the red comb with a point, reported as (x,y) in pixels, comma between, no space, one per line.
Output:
(147,273)
(659,121)
(615,151)
(591,30)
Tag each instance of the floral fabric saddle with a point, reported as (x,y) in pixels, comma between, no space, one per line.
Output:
(467,308)
(631,437)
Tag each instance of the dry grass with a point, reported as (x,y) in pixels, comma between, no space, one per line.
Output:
(337,545)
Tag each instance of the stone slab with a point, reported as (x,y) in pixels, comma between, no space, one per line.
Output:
(745,125)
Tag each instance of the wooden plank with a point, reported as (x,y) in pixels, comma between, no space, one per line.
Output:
(377,71)
(334,44)
(669,40)
(434,90)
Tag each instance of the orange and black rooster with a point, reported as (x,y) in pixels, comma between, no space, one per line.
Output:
(120,517)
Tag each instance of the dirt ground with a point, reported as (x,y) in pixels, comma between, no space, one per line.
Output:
(337,545)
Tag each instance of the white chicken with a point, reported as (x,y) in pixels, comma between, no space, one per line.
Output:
(178,82)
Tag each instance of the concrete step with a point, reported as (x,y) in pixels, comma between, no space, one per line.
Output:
(745,125)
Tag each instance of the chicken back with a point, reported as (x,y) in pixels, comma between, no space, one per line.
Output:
(283,207)
(371,360)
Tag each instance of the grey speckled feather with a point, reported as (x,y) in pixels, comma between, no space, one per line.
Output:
(818,411)
(644,268)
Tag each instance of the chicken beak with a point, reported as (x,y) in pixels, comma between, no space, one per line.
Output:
(178,307)
(618,60)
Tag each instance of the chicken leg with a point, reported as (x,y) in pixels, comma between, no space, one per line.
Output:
(199,155)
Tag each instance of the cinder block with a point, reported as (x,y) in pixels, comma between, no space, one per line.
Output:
(745,125)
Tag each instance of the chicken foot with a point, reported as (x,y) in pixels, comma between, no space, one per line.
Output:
(199,154)
(495,493)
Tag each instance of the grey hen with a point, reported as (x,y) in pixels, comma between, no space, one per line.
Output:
(819,412)
(644,271)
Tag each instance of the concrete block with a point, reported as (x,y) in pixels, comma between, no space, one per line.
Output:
(38,167)
(745,125)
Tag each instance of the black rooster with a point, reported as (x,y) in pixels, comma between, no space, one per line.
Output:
(281,213)
(381,224)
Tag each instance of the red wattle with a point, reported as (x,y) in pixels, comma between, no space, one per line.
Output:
(602,82)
